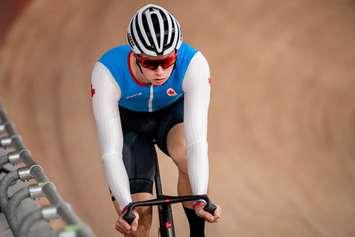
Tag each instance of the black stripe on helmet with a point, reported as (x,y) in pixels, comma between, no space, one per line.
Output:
(168,39)
(133,36)
(174,31)
(147,31)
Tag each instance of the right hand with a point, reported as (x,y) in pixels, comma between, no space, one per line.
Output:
(123,227)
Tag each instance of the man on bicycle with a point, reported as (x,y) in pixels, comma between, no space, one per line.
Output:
(155,90)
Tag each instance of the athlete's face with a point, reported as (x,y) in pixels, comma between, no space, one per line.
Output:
(157,69)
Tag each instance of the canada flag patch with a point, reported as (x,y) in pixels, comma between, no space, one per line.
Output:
(92,91)
(171,92)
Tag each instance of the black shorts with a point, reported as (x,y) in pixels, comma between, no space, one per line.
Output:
(141,131)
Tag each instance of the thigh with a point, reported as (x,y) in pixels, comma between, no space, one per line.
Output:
(138,158)
(176,146)
(170,117)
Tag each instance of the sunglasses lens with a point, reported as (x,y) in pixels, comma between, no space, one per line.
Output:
(151,64)
(154,64)
(166,63)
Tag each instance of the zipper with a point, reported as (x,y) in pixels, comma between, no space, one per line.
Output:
(150,101)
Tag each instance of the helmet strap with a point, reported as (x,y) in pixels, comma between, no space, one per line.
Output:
(139,66)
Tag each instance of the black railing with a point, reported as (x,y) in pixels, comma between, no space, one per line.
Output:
(25,169)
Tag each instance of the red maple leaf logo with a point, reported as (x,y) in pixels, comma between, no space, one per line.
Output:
(171,92)
(92,91)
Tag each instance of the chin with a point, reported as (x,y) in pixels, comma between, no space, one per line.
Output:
(160,82)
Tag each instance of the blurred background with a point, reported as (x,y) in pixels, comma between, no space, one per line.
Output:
(282,114)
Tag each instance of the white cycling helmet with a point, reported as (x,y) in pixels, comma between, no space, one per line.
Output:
(154,31)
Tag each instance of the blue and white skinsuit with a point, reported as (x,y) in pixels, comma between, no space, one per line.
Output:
(115,85)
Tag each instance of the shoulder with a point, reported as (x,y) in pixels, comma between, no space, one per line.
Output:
(198,62)
(101,78)
(100,72)
(197,74)
(190,54)
(116,60)
(185,53)
(199,58)
(186,50)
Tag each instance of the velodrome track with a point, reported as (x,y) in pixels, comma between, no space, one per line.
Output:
(282,115)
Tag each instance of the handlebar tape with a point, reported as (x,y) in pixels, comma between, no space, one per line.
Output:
(210,207)
(129,216)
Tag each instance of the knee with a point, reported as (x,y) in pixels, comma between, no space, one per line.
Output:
(145,220)
(145,214)
(177,149)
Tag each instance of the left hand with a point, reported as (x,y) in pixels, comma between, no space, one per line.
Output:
(206,215)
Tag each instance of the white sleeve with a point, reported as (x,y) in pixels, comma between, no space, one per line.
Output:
(105,107)
(197,90)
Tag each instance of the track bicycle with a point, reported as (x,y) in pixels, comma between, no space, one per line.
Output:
(166,222)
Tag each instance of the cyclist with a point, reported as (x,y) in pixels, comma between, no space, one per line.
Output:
(155,90)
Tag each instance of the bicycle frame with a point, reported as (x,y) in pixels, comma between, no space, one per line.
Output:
(167,228)
(166,221)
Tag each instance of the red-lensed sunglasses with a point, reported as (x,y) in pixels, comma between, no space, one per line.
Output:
(154,64)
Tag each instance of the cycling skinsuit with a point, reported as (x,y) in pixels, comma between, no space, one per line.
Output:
(131,117)
(142,97)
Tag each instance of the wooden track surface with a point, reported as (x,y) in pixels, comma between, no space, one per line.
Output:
(282,115)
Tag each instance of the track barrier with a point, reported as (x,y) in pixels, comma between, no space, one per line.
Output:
(28,181)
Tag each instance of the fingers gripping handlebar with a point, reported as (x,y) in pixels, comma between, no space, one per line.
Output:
(210,207)
(128,215)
